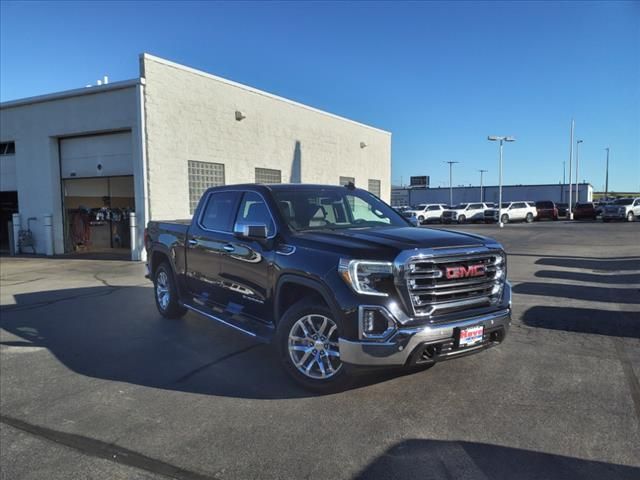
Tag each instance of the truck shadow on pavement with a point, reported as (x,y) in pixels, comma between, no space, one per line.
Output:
(115,333)
(435,459)
(584,320)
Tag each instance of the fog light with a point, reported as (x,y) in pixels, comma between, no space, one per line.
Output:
(375,323)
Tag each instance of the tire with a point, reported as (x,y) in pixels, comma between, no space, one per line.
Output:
(605,220)
(166,292)
(529,217)
(420,220)
(298,322)
(505,218)
(462,219)
(630,217)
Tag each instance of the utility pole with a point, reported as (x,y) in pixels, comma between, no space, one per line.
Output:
(570,213)
(451,182)
(577,164)
(606,178)
(481,185)
(564,180)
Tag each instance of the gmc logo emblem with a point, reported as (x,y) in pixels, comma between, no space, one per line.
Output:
(464,272)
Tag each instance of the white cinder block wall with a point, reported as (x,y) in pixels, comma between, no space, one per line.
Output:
(190,115)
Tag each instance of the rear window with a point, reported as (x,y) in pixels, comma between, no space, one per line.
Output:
(544,204)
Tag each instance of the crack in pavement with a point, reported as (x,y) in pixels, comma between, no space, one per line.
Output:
(199,369)
(106,451)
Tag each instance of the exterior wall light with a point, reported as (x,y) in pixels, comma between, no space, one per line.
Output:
(362,144)
(240,116)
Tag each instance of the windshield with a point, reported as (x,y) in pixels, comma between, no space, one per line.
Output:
(624,201)
(505,205)
(332,209)
(462,206)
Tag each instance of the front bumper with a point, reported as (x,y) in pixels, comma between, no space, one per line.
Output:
(614,215)
(427,343)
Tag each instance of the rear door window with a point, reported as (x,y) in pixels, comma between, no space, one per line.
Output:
(219,212)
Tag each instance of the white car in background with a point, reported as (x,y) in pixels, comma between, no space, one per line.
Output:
(513,212)
(428,212)
(465,212)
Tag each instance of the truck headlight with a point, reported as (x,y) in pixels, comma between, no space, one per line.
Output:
(367,277)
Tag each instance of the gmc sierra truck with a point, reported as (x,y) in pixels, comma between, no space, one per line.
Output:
(331,275)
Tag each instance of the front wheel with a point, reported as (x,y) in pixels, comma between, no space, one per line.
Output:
(420,220)
(505,219)
(529,218)
(307,339)
(462,219)
(630,217)
(166,293)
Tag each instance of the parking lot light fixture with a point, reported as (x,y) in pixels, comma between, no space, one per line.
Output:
(501,139)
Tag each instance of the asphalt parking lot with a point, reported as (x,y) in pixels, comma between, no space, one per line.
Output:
(95,384)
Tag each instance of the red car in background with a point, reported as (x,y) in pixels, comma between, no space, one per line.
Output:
(584,210)
(546,209)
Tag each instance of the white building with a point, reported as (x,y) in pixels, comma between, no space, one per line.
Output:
(151,145)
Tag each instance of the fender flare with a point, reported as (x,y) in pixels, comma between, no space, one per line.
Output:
(313,284)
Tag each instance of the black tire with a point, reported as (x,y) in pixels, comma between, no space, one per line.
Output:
(630,217)
(505,218)
(420,220)
(529,217)
(462,219)
(309,306)
(164,279)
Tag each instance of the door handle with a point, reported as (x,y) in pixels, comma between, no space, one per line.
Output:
(229,248)
(193,242)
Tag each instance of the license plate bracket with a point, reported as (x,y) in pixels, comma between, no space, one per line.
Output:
(470,336)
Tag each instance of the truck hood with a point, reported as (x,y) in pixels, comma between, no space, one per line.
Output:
(388,241)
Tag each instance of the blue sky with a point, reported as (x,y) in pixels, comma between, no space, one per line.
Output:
(440,75)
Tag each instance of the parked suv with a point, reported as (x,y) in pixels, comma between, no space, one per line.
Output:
(465,212)
(512,212)
(332,276)
(546,209)
(584,210)
(427,213)
(622,209)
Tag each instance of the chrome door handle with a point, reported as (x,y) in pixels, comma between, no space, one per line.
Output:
(193,242)
(229,248)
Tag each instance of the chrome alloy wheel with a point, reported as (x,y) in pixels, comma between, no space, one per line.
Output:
(162,290)
(313,347)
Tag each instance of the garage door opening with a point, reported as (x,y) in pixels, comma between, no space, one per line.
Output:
(8,206)
(97,212)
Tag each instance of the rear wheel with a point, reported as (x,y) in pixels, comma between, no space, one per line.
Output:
(630,217)
(166,292)
(307,340)
(529,217)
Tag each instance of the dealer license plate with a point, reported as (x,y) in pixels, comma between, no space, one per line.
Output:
(471,336)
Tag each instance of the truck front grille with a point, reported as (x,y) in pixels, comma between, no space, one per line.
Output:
(441,285)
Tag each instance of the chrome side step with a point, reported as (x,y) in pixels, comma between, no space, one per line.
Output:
(264,336)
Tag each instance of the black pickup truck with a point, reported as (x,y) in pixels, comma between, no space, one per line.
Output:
(333,276)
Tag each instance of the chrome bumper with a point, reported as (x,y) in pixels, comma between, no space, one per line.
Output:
(401,345)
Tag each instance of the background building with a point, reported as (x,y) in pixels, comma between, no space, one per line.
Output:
(150,146)
(559,193)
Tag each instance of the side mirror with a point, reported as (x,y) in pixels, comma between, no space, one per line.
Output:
(255,231)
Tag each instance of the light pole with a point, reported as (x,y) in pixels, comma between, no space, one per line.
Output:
(482,172)
(451,183)
(578,142)
(606,178)
(564,180)
(570,214)
(493,138)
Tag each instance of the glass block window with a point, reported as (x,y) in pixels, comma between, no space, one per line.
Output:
(203,175)
(346,180)
(374,187)
(268,175)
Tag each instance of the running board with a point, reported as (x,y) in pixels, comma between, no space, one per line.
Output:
(258,331)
